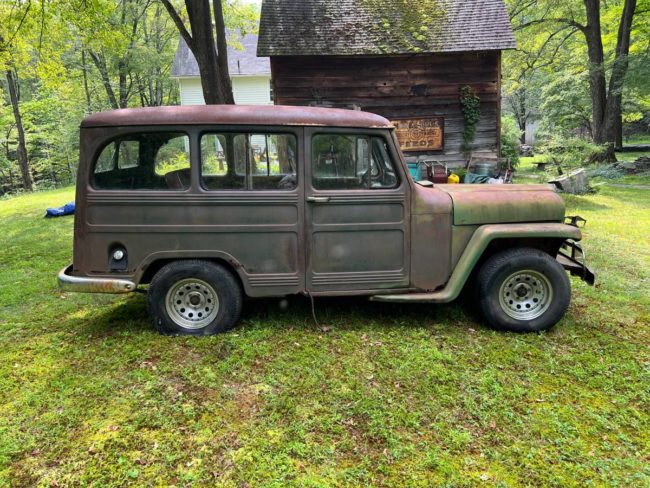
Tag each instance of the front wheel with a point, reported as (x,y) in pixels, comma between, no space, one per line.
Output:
(523,290)
(194,297)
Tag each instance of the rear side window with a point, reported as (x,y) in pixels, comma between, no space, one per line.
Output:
(144,161)
(236,161)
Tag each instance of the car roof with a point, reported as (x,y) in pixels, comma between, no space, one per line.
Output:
(237,115)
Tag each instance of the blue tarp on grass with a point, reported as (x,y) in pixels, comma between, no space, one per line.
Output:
(67,209)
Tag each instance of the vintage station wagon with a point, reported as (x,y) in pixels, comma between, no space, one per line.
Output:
(210,204)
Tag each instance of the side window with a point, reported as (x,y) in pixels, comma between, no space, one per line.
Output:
(248,161)
(351,162)
(382,170)
(223,161)
(127,154)
(147,161)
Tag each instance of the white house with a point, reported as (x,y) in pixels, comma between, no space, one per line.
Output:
(251,76)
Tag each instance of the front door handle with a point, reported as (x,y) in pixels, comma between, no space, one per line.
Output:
(318,199)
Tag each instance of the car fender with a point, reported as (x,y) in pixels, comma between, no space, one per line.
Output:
(474,250)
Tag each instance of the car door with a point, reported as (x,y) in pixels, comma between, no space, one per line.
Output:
(357,215)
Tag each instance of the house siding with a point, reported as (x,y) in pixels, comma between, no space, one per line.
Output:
(247,90)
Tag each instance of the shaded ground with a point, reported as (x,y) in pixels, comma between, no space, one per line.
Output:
(385,395)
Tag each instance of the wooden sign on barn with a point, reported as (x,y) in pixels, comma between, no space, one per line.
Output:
(421,134)
(349,58)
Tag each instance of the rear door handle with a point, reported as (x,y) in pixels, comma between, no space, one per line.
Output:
(318,199)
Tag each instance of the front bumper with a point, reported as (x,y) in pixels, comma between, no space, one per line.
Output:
(80,284)
(572,258)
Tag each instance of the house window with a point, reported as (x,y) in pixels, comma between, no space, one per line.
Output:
(232,161)
(271,94)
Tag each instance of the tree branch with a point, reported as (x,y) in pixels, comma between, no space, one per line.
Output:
(179,24)
(567,22)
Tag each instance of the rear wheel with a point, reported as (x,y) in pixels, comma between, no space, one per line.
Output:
(523,290)
(194,297)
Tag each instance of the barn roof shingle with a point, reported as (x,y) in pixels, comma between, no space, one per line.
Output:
(371,27)
(240,62)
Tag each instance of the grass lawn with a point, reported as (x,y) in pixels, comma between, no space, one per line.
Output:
(383,395)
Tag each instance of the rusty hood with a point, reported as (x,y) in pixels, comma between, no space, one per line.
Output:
(495,204)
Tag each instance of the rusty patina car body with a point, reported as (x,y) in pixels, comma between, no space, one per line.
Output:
(383,236)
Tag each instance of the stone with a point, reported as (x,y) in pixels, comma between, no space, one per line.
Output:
(640,165)
(575,182)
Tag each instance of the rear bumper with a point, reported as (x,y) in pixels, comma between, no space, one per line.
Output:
(80,284)
(572,258)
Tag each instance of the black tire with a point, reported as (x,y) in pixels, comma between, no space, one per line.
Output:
(523,290)
(209,292)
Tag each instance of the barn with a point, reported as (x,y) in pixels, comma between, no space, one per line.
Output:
(406,60)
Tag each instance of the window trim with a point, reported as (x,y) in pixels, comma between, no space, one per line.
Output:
(248,177)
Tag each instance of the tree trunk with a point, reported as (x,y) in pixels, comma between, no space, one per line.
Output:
(85,77)
(606,102)
(21,151)
(619,70)
(204,50)
(100,63)
(522,116)
(619,131)
(124,89)
(597,82)
(222,53)
(201,42)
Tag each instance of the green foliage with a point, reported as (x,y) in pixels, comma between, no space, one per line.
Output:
(510,139)
(570,152)
(607,172)
(75,58)
(566,106)
(386,395)
(546,78)
(470,105)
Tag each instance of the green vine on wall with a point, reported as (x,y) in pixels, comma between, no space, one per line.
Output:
(470,105)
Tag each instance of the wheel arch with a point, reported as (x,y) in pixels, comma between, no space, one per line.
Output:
(155,262)
(548,245)
(489,240)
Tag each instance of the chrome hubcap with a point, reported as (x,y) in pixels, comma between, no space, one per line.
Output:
(192,303)
(525,295)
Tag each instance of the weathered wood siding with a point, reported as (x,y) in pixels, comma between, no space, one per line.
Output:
(400,86)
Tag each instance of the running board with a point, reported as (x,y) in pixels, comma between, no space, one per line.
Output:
(441,296)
